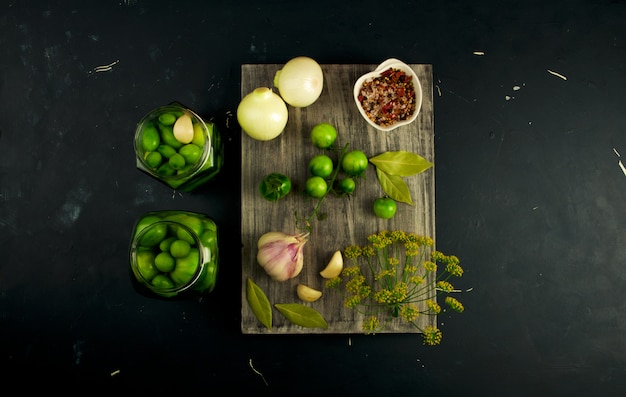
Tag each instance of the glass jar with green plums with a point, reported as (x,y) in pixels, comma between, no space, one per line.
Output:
(176,146)
(174,254)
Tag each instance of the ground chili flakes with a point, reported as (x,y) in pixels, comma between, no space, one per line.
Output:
(388,98)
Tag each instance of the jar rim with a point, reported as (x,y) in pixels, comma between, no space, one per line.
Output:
(153,114)
(176,289)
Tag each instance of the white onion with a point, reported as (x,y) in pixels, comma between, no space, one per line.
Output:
(300,81)
(262,114)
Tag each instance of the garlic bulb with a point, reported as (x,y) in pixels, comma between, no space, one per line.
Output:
(280,254)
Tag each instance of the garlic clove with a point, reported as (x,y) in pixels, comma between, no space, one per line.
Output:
(334,267)
(183,129)
(307,293)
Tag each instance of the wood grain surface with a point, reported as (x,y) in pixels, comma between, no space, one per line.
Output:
(348,221)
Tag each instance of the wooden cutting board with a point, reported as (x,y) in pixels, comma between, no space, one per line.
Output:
(348,221)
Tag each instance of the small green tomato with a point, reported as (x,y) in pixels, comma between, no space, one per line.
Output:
(385,207)
(275,186)
(321,165)
(323,135)
(346,185)
(354,163)
(316,187)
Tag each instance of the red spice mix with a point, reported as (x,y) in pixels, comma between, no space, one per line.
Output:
(388,98)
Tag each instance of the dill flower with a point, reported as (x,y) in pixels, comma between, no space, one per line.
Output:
(410,268)
(432,336)
(451,260)
(368,251)
(454,304)
(437,256)
(352,252)
(365,291)
(445,286)
(352,301)
(392,296)
(373,238)
(433,306)
(370,325)
(409,312)
(397,236)
(412,248)
(400,292)
(383,296)
(351,271)
(393,261)
(430,266)
(417,280)
(333,282)
(454,269)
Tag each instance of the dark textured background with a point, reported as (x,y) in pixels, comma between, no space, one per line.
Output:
(529,195)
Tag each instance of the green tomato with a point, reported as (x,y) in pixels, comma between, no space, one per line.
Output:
(321,165)
(192,222)
(154,159)
(385,207)
(198,135)
(166,169)
(191,153)
(185,267)
(150,138)
(346,185)
(180,248)
(167,243)
(275,186)
(177,162)
(209,239)
(145,265)
(153,236)
(209,224)
(166,150)
(167,118)
(316,187)
(146,221)
(167,136)
(354,163)
(164,262)
(161,281)
(323,135)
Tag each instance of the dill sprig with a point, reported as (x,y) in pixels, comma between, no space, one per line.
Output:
(397,276)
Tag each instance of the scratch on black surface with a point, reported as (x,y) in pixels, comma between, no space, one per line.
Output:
(456,95)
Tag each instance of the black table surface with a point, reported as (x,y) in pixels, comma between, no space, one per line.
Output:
(530,195)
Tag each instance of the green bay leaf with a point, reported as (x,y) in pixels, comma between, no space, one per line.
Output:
(394,186)
(259,303)
(400,163)
(302,315)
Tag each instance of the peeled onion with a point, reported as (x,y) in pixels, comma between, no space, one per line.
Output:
(300,81)
(262,114)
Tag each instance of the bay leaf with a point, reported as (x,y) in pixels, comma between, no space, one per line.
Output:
(259,303)
(302,315)
(400,163)
(394,186)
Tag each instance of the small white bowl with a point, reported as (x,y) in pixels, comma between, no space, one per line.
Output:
(396,64)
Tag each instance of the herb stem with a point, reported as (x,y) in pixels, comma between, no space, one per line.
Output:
(330,188)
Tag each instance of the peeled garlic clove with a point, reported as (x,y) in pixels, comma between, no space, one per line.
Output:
(307,293)
(280,254)
(183,129)
(334,267)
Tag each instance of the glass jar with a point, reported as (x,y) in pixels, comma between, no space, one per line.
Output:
(174,253)
(182,164)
